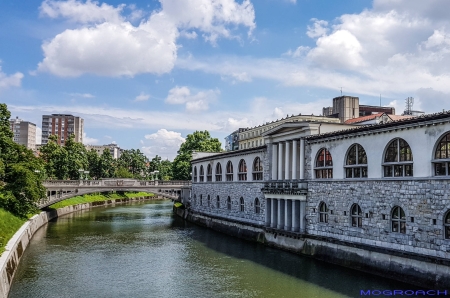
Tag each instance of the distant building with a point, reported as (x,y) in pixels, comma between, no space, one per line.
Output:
(232,140)
(378,118)
(253,137)
(63,126)
(114,149)
(24,132)
(348,107)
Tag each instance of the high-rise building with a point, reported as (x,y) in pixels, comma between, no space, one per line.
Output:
(63,126)
(113,148)
(24,132)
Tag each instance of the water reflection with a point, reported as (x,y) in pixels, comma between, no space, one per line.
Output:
(141,250)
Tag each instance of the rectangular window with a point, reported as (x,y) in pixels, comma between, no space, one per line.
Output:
(398,171)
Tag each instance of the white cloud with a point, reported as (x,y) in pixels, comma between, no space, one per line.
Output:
(163,143)
(106,44)
(83,95)
(89,141)
(142,97)
(299,52)
(10,81)
(318,29)
(194,102)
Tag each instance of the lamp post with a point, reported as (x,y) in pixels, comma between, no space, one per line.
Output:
(86,173)
(156,172)
(81,171)
(152,173)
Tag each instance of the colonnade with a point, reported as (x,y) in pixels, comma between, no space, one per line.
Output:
(286,214)
(288,160)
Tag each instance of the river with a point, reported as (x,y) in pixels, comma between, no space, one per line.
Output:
(142,250)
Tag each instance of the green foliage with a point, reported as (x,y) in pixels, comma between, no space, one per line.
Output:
(198,141)
(135,161)
(20,172)
(9,224)
(98,198)
(122,172)
(55,158)
(164,167)
(76,157)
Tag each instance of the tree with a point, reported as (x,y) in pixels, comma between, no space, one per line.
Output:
(76,157)
(198,141)
(106,164)
(134,161)
(20,184)
(93,164)
(55,158)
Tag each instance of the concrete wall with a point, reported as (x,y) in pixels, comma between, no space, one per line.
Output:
(10,258)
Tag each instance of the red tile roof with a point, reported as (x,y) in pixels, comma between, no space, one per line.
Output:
(364,118)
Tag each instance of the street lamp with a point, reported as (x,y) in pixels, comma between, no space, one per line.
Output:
(86,175)
(81,171)
(156,172)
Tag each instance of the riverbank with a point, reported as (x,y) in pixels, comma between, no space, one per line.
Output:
(10,258)
(9,224)
(409,268)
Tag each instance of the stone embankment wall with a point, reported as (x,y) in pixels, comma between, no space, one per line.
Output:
(10,258)
(426,272)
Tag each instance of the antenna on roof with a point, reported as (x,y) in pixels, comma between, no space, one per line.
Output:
(409,106)
(341,91)
(380,99)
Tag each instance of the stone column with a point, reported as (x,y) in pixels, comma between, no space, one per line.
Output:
(294,159)
(280,224)
(274,214)
(302,159)
(268,211)
(302,216)
(280,161)
(295,215)
(274,161)
(287,162)
(288,215)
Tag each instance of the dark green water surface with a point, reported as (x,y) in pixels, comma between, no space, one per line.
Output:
(142,250)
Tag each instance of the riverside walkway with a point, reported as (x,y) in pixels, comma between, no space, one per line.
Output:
(59,190)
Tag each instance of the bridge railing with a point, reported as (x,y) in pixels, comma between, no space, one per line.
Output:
(113,183)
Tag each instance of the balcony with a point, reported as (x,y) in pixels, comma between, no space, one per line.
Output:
(291,187)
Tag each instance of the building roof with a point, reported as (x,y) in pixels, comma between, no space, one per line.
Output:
(399,117)
(405,121)
(363,118)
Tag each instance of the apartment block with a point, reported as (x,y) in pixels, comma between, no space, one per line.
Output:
(62,125)
(24,132)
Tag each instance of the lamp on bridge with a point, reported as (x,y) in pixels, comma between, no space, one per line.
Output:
(156,172)
(81,171)
(86,173)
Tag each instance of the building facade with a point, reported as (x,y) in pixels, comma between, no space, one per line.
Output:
(114,149)
(62,125)
(24,132)
(375,197)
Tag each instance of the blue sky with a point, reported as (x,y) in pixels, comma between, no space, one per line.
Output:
(144,74)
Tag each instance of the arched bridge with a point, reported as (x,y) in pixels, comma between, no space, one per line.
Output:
(59,190)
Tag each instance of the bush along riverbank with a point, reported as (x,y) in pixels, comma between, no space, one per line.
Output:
(102,197)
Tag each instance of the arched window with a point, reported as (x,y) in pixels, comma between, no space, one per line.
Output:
(398,220)
(195,174)
(323,212)
(229,171)
(218,172)
(356,163)
(229,203)
(242,174)
(447,225)
(257,169)
(356,214)
(217,202)
(209,201)
(209,173)
(324,164)
(241,204)
(398,160)
(257,206)
(202,174)
(442,157)
(201,200)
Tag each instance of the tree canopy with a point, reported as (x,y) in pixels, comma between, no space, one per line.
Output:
(198,141)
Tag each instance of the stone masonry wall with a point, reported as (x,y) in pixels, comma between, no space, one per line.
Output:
(425,203)
(235,190)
